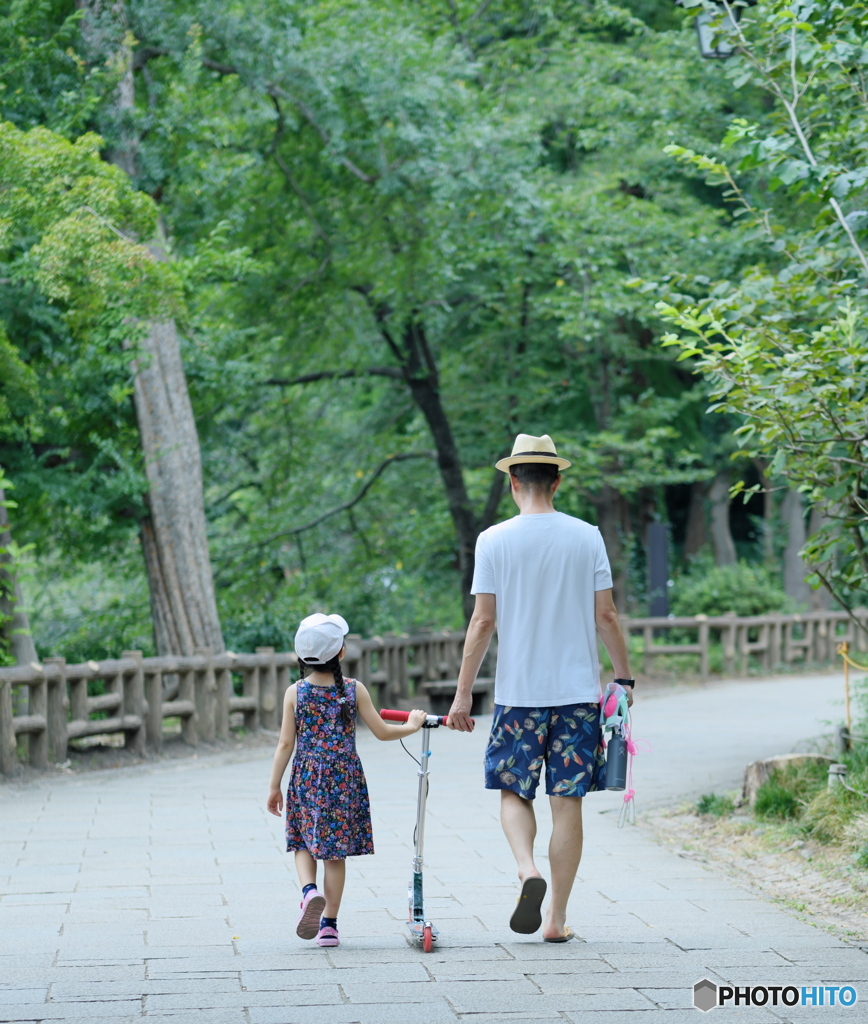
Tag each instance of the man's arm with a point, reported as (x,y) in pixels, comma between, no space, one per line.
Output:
(480,629)
(609,628)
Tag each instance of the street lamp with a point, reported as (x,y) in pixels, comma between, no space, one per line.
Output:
(715,28)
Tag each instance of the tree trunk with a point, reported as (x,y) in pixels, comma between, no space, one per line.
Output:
(426,395)
(614,523)
(174,537)
(820,598)
(721,536)
(696,535)
(16,624)
(14,621)
(795,570)
(768,540)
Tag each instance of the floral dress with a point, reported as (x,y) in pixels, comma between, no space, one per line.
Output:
(328,812)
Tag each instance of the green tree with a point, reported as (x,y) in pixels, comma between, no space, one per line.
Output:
(784,345)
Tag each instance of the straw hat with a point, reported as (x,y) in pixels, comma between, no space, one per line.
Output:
(528,448)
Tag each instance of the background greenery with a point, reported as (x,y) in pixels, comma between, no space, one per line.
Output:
(390,224)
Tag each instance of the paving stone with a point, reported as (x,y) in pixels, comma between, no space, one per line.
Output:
(155,896)
(435,1012)
(307,995)
(107,1010)
(14,995)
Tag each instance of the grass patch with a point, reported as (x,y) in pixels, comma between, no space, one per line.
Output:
(776,802)
(717,806)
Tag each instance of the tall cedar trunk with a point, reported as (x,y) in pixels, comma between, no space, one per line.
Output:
(17,629)
(696,535)
(14,621)
(426,395)
(820,598)
(795,570)
(769,512)
(174,537)
(721,536)
(613,518)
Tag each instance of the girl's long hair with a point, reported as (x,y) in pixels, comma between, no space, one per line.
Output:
(334,666)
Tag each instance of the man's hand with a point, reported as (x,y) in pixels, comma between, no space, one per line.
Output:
(459,715)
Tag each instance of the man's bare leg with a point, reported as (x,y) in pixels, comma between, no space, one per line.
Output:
(519,825)
(565,852)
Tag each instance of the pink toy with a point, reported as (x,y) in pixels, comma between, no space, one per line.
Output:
(615,718)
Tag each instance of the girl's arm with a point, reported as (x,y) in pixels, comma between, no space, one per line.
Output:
(285,746)
(385,730)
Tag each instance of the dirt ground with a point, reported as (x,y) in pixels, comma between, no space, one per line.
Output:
(819,884)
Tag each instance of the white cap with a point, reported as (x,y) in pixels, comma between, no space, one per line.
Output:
(320,637)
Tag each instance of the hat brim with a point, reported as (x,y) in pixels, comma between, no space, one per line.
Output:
(548,460)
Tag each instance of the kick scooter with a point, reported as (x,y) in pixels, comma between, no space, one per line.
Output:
(422,931)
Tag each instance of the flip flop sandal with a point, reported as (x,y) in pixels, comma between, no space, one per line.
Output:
(312,907)
(527,918)
(568,934)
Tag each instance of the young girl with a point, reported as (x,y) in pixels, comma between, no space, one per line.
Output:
(328,815)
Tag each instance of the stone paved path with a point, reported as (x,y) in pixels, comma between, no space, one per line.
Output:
(161,893)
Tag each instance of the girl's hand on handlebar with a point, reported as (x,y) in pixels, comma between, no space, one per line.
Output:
(417,719)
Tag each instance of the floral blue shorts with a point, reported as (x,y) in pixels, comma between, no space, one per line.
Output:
(567,740)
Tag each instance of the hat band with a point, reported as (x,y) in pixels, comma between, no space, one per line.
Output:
(547,455)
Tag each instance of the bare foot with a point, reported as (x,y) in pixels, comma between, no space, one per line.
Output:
(555,926)
(530,873)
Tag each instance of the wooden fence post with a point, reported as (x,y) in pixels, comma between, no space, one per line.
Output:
(728,637)
(8,745)
(58,706)
(187,692)
(154,720)
(206,693)
(251,689)
(134,705)
(703,647)
(284,681)
(268,690)
(37,741)
(223,684)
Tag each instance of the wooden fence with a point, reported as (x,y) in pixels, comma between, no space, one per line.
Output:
(208,688)
(204,692)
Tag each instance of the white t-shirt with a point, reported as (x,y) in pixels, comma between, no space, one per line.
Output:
(543,570)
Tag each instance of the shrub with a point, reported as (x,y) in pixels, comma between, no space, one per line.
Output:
(716,590)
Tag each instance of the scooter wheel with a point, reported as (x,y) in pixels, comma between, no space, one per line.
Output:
(427,939)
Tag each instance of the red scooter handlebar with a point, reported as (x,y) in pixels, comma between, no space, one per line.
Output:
(391,715)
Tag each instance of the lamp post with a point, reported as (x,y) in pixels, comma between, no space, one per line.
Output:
(715,28)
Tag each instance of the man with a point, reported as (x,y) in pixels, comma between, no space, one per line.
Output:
(543,578)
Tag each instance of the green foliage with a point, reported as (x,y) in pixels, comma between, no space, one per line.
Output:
(743,588)
(715,805)
(363,201)
(43,80)
(784,345)
(90,611)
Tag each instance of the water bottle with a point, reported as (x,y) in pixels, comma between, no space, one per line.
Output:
(616,763)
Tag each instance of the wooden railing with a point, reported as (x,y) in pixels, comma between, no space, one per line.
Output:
(207,689)
(203,693)
(775,641)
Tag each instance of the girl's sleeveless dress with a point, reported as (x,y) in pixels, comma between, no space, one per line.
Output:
(328,812)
